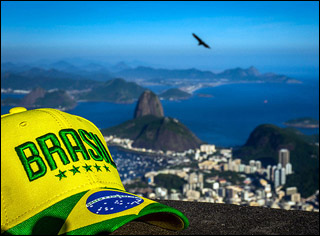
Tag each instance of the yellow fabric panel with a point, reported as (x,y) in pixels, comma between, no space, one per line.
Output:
(80,216)
(22,198)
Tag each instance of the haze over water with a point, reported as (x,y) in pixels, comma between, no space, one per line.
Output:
(278,37)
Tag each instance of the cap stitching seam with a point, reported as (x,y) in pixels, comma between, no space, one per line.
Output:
(90,179)
(91,174)
(61,114)
(8,222)
(61,126)
(59,123)
(5,210)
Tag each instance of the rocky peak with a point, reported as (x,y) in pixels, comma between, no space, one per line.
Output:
(30,99)
(148,104)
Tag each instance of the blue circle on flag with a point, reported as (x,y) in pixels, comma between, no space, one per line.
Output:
(110,202)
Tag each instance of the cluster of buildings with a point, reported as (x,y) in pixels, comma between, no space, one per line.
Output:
(277,173)
(202,172)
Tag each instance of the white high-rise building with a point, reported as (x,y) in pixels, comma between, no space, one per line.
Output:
(269,172)
(283,176)
(279,166)
(273,170)
(276,178)
(258,165)
(279,176)
(242,167)
(288,169)
(245,195)
(252,163)
(208,148)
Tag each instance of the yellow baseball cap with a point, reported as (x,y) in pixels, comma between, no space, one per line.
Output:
(58,177)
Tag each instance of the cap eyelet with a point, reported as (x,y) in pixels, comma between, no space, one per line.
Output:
(23,124)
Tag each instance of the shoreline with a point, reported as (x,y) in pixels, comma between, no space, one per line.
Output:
(121,148)
(193,88)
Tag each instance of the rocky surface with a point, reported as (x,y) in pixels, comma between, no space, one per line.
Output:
(148,104)
(167,134)
(225,219)
(151,130)
(156,133)
(30,99)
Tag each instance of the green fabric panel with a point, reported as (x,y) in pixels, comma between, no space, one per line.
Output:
(104,226)
(158,207)
(112,225)
(49,221)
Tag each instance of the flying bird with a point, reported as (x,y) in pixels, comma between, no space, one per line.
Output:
(200,41)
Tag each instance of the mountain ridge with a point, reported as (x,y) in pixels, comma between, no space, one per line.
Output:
(148,104)
(266,140)
(62,69)
(151,130)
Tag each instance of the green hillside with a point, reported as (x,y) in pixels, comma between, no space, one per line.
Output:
(175,94)
(156,133)
(56,99)
(116,90)
(266,140)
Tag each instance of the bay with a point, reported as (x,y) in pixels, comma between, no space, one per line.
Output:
(235,110)
(227,116)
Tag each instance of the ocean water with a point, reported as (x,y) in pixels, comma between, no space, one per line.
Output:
(231,114)
(228,116)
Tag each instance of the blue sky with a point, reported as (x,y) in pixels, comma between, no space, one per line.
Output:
(273,36)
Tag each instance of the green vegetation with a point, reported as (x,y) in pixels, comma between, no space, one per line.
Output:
(56,99)
(230,176)
(314,138)
(132,128)
(117,90)
(169,181)
(264,144)
(138,183)
(156,133)
(175,94)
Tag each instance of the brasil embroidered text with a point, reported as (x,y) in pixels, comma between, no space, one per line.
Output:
(50,146)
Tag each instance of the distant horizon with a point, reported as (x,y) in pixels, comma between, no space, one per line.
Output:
(280,37)
(303,71)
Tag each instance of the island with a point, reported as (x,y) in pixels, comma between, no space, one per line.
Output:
(39,97)
(204,95)
(175,94)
